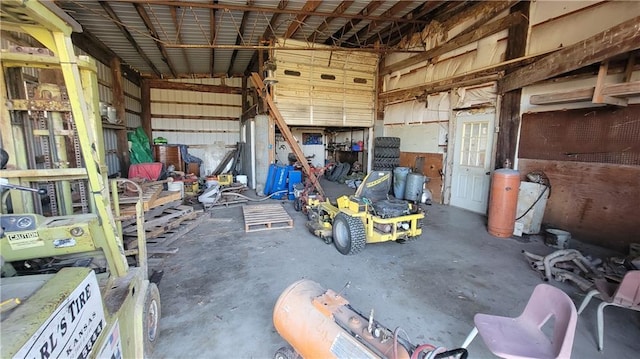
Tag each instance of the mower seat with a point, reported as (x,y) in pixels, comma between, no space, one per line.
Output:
(375,186)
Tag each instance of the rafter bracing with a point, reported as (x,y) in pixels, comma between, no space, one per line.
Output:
(268,33)
(337,36)
(271,10)
(154,34)
(243,24)
(339,10)
(212,34)
(295,25)
(365,31)
(177,24)
(116,20)
(418,13)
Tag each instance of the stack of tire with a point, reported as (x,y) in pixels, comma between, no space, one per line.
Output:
(386,153)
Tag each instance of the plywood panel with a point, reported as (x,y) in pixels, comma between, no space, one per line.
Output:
(605,135)
(597,203)
(430,165)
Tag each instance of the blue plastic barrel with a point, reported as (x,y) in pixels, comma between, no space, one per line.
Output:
(280,182)
(271,177)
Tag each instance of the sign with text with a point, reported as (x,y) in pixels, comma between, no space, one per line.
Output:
(74,327)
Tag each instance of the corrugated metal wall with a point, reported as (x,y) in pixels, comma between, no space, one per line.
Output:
(197,119)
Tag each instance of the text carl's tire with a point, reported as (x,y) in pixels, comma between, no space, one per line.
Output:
(349,235)
(151,319)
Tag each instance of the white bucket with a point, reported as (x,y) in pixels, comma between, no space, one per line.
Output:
(242,179)
(210,183)
(557,238)
(176,186)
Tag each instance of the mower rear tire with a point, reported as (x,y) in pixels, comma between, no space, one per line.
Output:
(349,235)
(297,204)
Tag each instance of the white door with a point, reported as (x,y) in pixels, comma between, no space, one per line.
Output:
(472,161)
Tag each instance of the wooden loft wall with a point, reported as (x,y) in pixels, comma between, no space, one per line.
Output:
(592,158)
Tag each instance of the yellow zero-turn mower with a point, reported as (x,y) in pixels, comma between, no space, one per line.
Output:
(369,216)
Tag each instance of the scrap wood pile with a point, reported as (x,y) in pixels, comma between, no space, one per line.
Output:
(166,220)
(571,265)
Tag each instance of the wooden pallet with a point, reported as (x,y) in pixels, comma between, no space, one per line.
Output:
(266,217)
(160,245)
(169,219)
(149,202)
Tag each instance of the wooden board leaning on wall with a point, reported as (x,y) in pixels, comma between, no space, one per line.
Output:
(430,165)
(596,202)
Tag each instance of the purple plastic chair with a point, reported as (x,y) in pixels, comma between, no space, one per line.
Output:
(522,337)
(625,295)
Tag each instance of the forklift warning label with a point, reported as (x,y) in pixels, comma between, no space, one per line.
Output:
(73,329)
(23,240)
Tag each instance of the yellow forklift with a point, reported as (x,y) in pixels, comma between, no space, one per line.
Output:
(67,289)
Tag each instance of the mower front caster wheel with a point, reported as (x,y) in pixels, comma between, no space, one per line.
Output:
(297,204)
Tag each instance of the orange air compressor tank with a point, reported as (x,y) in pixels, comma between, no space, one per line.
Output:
(503,202)
(319,323)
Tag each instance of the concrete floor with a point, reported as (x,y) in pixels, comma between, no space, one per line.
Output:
(219,290)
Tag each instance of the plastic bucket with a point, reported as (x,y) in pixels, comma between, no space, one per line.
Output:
(211,181)
(557,238)
(399,181)
(242,179)
(177,186)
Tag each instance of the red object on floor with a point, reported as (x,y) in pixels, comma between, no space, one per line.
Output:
(149,171)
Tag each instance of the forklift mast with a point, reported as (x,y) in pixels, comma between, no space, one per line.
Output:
(52,27)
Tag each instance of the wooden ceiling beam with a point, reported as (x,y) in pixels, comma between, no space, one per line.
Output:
(371,7)
(270,10)
(468,78)
(604,45)
(177,24)
(365,31)
(296,24)
(90,44)
(339,10)
(418,13)
(406,30)
(456,13)
(116,20)
(184,86)
(458,41)
(239,39)
(154,34)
